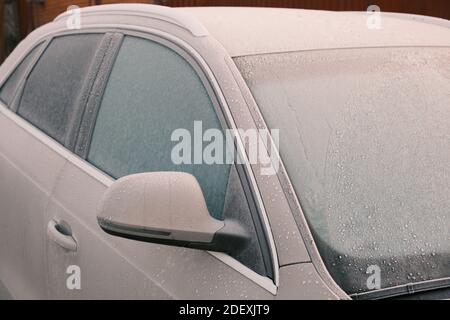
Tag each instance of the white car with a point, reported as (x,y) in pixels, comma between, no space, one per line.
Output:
(93,206)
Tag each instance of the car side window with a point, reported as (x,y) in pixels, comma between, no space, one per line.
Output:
(11,85)
(153,91)
(51,92)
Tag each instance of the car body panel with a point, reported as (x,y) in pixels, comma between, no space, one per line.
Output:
(115,268)
(26,184)
(262,30)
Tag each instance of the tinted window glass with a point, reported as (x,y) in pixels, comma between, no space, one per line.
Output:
(9,88)
(53,87)
(153,91)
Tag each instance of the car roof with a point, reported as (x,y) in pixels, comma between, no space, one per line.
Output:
(247,31)
(250,31)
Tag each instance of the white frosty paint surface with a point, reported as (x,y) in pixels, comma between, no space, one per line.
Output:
(248,31)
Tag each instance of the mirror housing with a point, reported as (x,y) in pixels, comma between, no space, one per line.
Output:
(167,208)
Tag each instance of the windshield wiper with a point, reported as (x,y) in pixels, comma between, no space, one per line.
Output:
(403,290)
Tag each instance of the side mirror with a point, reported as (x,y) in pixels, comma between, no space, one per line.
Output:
(166,208)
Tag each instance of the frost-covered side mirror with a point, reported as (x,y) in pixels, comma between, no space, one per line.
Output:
(166,208)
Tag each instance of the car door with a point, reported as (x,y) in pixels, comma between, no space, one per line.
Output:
(154,88)
(25,184)
(44,97)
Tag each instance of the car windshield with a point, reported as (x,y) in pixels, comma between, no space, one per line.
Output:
(365,138)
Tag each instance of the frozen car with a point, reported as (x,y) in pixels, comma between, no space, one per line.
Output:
(92,204)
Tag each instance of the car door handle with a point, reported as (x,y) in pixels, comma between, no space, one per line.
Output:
(61,236)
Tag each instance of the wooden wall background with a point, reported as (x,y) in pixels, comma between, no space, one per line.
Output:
(34,14)
(438,8)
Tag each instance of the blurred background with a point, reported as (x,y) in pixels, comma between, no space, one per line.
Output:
(20,17)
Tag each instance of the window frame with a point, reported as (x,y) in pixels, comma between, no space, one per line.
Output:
(72,133)
(13,105)
(213,95)
(79,105)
